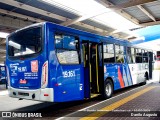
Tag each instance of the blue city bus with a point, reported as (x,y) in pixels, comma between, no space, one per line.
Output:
(49,62)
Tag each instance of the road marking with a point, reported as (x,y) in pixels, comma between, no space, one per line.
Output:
(117,104)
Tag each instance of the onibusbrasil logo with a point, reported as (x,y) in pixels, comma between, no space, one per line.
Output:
(21,115)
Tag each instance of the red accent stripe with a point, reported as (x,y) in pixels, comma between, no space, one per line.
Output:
(45,74)
(120,78)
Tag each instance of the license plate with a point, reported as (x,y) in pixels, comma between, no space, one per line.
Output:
(23,81)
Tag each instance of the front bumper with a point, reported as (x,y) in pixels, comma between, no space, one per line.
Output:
(46,94)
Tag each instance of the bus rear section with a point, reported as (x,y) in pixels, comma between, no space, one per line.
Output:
(27,65)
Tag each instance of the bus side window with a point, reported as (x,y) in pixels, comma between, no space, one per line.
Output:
(138,55)
(108,53)
(119,53)
(67,49)
(129,58)
(130,55)
(133,55)
(145,56)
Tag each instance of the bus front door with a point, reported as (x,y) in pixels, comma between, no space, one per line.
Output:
(92,69)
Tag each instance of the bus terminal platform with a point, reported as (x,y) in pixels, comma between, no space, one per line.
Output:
(140,103)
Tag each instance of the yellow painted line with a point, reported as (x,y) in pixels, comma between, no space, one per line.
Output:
(115,105)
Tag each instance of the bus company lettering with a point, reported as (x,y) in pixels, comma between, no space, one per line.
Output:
(23,115)
(29,75)
(34,66)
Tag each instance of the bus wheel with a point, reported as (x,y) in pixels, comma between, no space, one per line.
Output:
(108,89)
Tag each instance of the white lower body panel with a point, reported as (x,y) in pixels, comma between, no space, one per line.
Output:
(45,94)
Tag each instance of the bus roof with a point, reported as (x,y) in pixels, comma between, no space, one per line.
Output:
(79,32)
(88,34)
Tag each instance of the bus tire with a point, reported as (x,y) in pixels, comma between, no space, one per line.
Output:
(108,89)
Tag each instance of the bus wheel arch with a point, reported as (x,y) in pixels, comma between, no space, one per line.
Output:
(108,88)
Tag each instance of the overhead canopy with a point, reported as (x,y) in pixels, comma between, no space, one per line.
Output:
(116,18)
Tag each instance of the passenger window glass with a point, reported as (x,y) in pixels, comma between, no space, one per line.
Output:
(67,57)
(138,56)
(129,58)
(66,42)
(132,51)
(109,48)
(108,53)
(145,59)
(138,52)
(121,50)
(145,53)
(145,56)
(67,49)
(130,55)
(117,49)
(119,53)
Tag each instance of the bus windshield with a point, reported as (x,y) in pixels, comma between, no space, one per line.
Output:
(25,42)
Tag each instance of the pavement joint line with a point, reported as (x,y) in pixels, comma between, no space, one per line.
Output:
(117,104)
(60,118)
